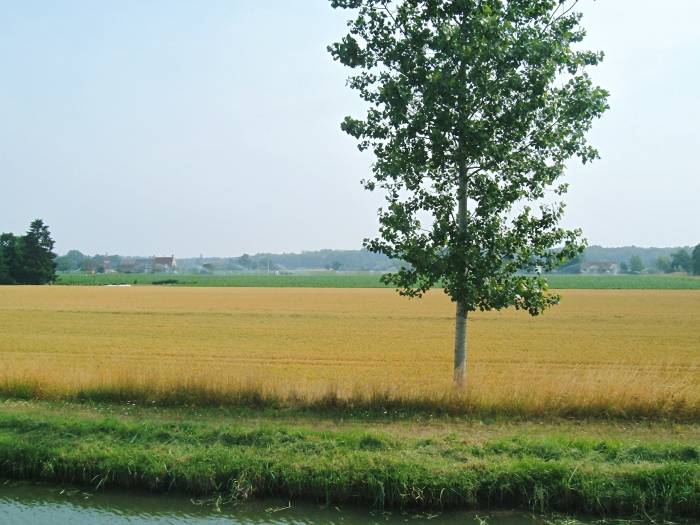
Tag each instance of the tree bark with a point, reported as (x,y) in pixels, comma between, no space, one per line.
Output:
(460,370)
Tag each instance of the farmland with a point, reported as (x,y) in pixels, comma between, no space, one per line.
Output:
(342,395)
(600,353)
(322,279)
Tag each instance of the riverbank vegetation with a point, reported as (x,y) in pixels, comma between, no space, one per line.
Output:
(642,469)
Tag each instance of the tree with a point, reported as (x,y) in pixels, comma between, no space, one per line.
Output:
(245,261)
(695,263)
(475,106)
(11,247)
(680,261)
(636,265)
(38,266)
(28,259)
(335,266)
(573,265)
(663,264)
(70,261)
(624,268)
(8,258)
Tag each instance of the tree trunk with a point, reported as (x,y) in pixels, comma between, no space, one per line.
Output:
(460,371)
(460,377)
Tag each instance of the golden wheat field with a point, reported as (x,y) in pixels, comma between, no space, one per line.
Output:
(633,350)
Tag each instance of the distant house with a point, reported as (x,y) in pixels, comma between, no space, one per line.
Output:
(164,264)
(599,267)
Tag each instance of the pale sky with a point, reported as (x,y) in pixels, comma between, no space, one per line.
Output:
(187,127)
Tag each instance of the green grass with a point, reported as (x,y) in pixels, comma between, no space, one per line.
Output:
(320,280)
(370,280)
(469,464)
(624,282)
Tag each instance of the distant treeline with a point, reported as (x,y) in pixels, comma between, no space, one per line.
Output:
(348,260)
(630,259)
(634,260)
(29,258)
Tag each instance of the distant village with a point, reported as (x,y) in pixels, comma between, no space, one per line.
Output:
(169,265)
(595,260)
(132,265)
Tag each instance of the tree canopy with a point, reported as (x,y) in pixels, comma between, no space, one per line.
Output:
(680,261)
(475,106)
(28,259)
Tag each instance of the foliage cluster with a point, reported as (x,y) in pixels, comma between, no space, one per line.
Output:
(679,260)
(76,260)
(28,259)
(474,109)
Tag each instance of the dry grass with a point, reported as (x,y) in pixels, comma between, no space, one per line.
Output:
(620,352)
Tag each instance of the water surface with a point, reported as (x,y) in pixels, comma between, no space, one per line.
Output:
(29,504)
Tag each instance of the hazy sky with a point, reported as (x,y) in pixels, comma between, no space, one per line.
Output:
(163,126)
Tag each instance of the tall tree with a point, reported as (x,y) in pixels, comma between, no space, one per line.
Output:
(636,265)
(663,264)
(695,263)
(680,261)
(10,261)
(70,261)
(38,266)
(474,108)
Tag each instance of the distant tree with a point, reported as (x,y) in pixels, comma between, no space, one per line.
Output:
(680,261)
(28,259)
(245,261)
(9,258)
(572,266)
(38,266)
(663,264)
(335,266)
(695,263)
(475,107)
(4,270)
(624,267)
(636,265)
(70,261)
(87,265)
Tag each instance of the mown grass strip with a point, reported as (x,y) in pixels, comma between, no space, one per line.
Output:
(354,466)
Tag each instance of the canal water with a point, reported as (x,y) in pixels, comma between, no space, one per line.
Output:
(29,504)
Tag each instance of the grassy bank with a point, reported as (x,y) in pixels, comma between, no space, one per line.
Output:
(631,470)
(368,280)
